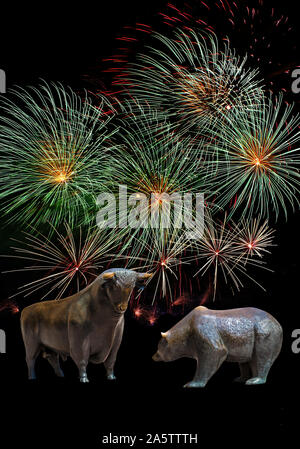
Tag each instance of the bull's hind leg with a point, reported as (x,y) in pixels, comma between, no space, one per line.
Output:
(53,359)
(32,351)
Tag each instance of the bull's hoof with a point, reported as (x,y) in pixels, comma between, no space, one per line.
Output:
(84,380)
(111,377)
(195,384)
(256,381)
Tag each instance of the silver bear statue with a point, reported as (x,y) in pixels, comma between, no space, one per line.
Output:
(248,336)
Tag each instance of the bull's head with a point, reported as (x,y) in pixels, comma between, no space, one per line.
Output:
(117,284)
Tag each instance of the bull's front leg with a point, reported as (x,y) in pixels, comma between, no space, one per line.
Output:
(109,363)
(80,353)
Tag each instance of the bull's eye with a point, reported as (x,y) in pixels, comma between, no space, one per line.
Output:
(108,284)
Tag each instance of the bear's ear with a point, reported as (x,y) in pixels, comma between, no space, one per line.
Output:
(164,334)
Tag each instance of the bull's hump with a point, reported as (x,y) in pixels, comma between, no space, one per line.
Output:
(125,277)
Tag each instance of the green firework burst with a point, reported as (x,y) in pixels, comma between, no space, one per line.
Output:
(52,154)
(191,78)
(257,168)
(159,170)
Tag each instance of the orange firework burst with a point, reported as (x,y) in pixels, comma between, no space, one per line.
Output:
(68,264)
(52,155)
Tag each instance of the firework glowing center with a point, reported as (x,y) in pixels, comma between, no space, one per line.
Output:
(137,312)
(57,171)
(160,198)
(261,164)
(58,162)
(259,159)
(195,91)
(62,177)
(156,185)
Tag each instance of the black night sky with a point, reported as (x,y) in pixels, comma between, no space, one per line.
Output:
(67,42)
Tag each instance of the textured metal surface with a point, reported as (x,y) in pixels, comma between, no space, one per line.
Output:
(126,278)
(248,336)
(87,326)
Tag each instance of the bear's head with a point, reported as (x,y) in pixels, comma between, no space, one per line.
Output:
(170,348)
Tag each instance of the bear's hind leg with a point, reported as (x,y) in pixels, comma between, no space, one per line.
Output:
(260,366)
(262,360)
(267,346)
(245,373)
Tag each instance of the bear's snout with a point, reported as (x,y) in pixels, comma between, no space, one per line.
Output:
(156,357)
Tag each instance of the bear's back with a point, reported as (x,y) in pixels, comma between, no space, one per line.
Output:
(236,323)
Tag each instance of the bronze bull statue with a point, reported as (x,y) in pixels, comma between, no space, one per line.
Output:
(87,326)
(248,336)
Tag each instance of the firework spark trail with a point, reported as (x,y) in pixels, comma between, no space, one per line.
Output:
(254,237)
(9,306)
(258,160)
(192,80)
(167,250)
(68,263)
(52,155)
(257,30)
(249,159)
(145,313)
(227,249)
(160,172)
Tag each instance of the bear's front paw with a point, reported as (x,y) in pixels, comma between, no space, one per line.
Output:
(256,381)
(195,384)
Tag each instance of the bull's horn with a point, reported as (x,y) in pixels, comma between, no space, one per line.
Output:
(164,334)
(108,275)
(145,275)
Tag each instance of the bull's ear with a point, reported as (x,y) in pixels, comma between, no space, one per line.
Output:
(108,275)
(142,279)
(144,276)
